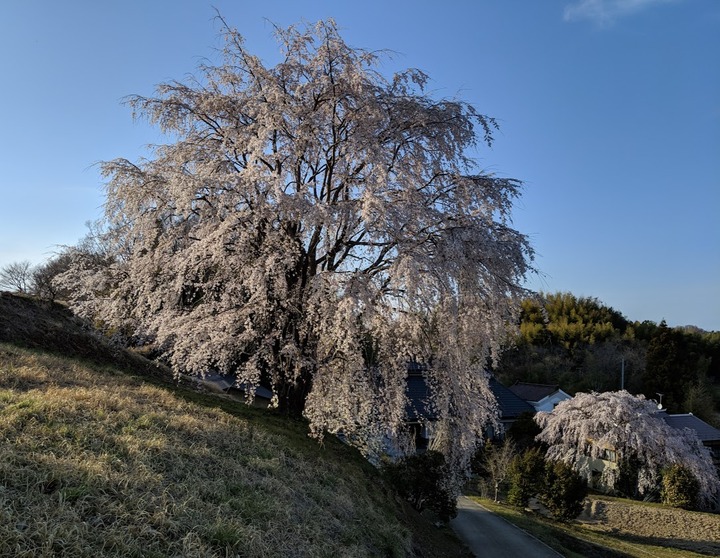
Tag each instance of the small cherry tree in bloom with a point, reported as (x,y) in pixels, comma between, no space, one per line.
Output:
(313,226)
(582,428)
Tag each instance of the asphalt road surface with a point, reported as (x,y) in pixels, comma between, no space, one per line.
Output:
(488,535)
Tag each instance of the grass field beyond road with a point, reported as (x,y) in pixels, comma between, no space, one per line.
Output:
(617,527)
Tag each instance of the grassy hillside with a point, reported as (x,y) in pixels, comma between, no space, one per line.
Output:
(100,456)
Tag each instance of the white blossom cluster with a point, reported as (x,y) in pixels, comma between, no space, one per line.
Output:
(591,423)
(315,226)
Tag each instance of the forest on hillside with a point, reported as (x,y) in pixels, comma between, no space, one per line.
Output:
(582,345)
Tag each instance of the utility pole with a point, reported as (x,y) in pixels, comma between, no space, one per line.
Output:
(622,374)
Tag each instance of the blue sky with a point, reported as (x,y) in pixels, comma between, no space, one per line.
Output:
(609,112)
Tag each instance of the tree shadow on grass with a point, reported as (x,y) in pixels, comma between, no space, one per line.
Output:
(709,548)
(553,534)
(562,540)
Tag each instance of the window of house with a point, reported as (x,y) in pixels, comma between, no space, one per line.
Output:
(609,455)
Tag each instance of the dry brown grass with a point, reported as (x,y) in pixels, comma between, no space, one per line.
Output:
(656,524)
(94,462)
(614,527)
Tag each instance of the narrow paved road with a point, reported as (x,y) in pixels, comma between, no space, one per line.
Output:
(490,535)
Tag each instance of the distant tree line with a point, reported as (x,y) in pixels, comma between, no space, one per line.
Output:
(23,277)
(44,280)
(582,345)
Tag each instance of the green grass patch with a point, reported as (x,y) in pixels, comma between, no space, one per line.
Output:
(578,541)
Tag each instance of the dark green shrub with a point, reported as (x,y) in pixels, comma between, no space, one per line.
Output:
(680,488)
(526,476)
(627,481)
(564,491)
(420,479)
(477,462)
(524,430)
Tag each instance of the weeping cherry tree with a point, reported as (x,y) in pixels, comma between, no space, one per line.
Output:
(582,428)
(313,226)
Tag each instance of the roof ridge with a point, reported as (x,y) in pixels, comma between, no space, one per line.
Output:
(534,384)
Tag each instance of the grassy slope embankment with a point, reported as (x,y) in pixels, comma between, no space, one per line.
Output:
(101,456)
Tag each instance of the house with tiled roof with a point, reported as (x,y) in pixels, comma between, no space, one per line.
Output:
(543,397)
(511,406)
(418,413)
(708,435)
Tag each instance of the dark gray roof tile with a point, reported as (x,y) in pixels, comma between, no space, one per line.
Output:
(705,432)
(511,406)
(532,392)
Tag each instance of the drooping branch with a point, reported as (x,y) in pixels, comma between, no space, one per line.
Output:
(304,208)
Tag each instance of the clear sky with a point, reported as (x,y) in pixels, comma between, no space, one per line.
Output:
(609,113)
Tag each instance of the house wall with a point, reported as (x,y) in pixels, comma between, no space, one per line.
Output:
(548,403)
(595,469)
